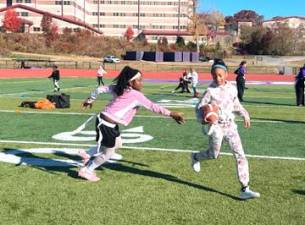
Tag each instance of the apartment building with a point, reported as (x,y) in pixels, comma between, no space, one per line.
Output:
(110,17)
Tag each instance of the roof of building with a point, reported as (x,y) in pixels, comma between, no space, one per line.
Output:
(63,18)
(25,21)
(279,18)
(166,32)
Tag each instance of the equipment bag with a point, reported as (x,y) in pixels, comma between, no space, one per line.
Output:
(61,101)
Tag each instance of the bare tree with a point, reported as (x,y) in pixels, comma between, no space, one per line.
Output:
(197,25)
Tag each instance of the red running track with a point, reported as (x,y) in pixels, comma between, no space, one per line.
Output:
(40,73)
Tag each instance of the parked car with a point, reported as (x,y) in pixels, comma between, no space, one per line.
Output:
(111,59)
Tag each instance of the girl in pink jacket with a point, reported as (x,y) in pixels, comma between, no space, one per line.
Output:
(127,98)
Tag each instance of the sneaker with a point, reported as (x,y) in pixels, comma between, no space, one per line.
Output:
(248,194)
(88,175)
(195,163)
(86,157)
(116,156)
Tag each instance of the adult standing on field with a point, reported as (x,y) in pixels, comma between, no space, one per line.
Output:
(56,77)
(100,74)
(299,86)
(241,80)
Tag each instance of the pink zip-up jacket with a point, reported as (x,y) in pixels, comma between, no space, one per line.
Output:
(122,109)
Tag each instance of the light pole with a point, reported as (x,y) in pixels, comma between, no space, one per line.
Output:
(138,16)
(179,11)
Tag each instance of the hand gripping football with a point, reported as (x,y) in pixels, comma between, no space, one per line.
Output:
(210,113)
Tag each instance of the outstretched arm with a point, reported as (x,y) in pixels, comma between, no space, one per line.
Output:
(87,103)
(154,107)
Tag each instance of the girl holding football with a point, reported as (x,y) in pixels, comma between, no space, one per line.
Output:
(222,95)
(127,98)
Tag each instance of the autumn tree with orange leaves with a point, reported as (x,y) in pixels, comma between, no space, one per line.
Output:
(129,34)
(11,22)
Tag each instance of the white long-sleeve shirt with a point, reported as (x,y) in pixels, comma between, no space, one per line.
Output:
(226,98)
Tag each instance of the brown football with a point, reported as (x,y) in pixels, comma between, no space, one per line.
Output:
(209,113)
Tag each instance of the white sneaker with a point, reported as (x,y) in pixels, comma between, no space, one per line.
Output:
(116,156)
(195,163)
(248,194)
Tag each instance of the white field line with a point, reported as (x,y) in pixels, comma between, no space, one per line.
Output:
(139,116)
(36,92)
(149,149)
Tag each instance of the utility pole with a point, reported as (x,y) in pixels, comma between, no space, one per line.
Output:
(84,11)
(98,14)
(138,16)
(62,8)
(179,12)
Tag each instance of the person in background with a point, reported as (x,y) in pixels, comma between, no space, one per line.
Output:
(183,83)
(299,86)
(56,77)
(194,77)
(100,74)
(241,80)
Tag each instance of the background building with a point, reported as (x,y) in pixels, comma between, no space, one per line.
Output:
(111,17)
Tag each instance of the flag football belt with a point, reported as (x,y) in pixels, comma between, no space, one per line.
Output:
(108,124)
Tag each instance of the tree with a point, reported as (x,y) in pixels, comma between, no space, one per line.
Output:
(213,19)
(51,35)
(11,22)
(129,33)
(180,41)
(248,15)
(197,27)
(46,22)
(231,22)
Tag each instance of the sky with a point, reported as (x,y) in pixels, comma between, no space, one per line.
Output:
(266,8)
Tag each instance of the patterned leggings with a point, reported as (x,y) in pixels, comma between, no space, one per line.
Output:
(230,134)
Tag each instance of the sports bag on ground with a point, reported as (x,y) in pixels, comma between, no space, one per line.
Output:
(61,101)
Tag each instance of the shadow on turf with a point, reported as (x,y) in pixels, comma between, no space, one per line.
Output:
(266,103)
(300,192)
(27,158)
(167,177)
(285,121)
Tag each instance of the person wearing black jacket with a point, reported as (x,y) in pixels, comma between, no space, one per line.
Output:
(241,80)
(56,77)
(299,86)
(183,83)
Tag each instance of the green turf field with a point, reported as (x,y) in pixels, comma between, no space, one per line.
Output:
(154,183)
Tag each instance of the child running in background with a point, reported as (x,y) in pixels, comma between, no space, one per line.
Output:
(56,77)
(127,98)
(222,93)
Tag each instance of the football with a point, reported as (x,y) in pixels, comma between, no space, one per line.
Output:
(210,113)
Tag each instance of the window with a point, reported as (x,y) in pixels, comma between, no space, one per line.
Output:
(24,14)
(18,1)
(36,29)
(27,1)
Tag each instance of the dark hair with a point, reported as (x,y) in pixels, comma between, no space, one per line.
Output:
(54,66)
(242,63)
(122,80)
(219,63)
